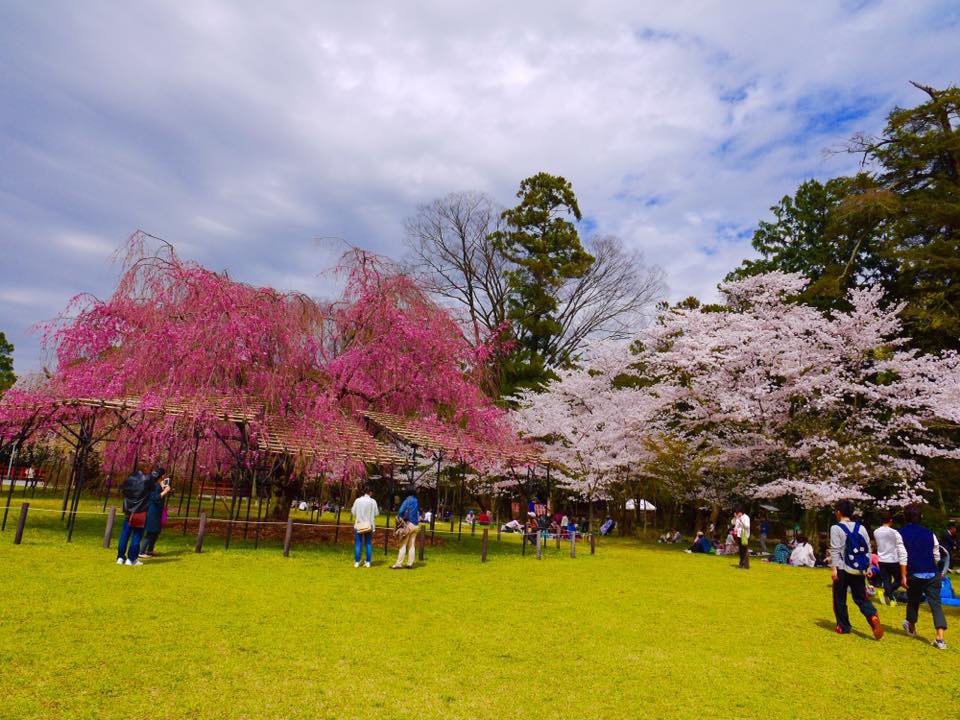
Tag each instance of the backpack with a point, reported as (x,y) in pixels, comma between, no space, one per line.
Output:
(856,552)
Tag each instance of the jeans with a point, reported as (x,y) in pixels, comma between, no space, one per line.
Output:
(150,542)
(858,589)
(890,574)
(359,540)
(916,589)
(763,543)
(133,536)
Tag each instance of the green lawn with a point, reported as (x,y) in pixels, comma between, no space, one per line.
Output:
(634,631)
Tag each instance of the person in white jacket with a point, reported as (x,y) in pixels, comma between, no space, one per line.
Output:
(741,531)
(892,556)
(364,511)
(803,555)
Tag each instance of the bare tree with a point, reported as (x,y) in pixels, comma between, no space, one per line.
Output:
(451,253)
(610,301)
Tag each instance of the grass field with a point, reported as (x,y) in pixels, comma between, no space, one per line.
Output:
(634,631)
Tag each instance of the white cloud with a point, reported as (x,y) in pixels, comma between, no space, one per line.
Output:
(243,131)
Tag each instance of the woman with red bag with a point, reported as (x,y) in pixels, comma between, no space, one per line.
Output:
(136,495)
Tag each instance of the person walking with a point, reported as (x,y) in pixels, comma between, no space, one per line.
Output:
(923,574)
(154,524)
(849,560)
(949,542)
(764,533)
(409,512)
(136,495)
(892,558)
(741,531)
(364,512)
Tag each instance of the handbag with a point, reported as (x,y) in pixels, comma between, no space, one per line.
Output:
(364,527)
(400,529)
(138,519)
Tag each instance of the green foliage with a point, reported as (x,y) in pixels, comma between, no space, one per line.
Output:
(251,634)
(897,223)
(7,378)
(544,246)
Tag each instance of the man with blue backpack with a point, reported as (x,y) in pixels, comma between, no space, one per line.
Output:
(850,564)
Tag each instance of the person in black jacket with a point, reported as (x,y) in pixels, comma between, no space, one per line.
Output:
(136,496)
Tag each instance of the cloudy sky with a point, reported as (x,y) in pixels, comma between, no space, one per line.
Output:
(243,131)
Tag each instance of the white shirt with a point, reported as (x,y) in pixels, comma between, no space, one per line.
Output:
(365,510)
(742,527)
(890,547)
(838,540)
(803,555)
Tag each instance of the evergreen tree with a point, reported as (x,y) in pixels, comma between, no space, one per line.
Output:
(544,247)
(7,378)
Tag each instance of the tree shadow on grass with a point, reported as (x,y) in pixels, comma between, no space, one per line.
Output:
(832,629)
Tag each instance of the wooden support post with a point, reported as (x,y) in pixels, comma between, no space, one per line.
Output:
(523,544)
(539,546)
(558,538)
(483,545)
(201,529)
(573,545)
(593,544)
(288,537)
(422,539)
(21,523)
(499,530)
(386,537)
(111,519)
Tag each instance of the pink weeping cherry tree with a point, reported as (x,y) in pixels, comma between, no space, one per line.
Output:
(212,363)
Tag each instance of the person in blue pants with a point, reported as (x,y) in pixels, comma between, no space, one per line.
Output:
(364,513)
(136,496)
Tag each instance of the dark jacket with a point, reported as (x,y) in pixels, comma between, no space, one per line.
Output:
(136,492)
(919,542)
(154,509)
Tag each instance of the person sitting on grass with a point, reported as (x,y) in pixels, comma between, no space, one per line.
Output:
(802,555)
(484,518)
(512,526)
(470,519)
(701,544)
(781,554)
(607,526)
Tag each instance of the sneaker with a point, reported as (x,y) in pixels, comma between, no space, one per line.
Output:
(409,567)
(841,631)
(940,644)
(145,555)
(120,561)
(877,627)
(366,564)
(396,567)
(356,564)
(134,563)
(911,631)
(130,562)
